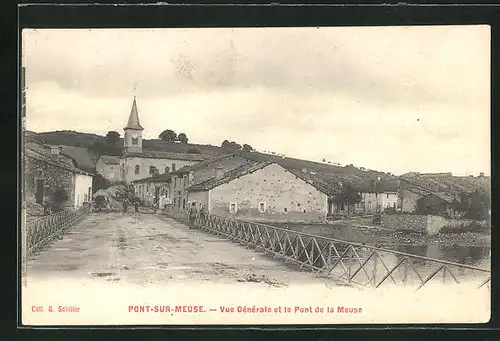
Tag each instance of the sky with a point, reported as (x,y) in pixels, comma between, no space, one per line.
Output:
(394,99)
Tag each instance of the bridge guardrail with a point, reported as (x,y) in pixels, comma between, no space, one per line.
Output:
(346,261)
(43,230)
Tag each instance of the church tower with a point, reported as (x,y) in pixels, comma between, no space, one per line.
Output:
(133,132)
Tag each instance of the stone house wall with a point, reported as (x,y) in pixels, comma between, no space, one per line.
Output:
(271,194)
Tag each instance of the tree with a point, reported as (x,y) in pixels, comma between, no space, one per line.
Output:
(475,205)
(168,135)
(231,145)
(247,148)
(100,182)
(101,147)
(182,138)
(479,206)
(112,138)
(193,151)
(235,146)
(59,199)
(348,196)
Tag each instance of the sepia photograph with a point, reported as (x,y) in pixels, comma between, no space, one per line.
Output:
(255,176)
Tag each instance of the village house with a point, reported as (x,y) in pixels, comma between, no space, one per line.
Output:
(436,204)
(408,198)
(439,188)
(49,173)
(150,189)
(210,169)
(109,167)
(265,192)
(376,202)
(378,196)
(136,163)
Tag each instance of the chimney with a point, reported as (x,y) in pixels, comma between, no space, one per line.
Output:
(219,172)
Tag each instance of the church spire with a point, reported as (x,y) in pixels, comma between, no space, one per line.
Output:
(133,120)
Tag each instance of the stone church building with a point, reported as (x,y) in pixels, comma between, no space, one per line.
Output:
(137,163)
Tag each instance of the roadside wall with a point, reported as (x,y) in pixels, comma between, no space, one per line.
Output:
(429,224)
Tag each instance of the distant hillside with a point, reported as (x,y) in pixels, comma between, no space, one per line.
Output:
(85,140)
(65,138)
(77,139)
(77,145)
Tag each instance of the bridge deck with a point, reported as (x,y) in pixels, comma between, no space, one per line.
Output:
(149,248)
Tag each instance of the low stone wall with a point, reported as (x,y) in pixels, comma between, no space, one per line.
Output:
(435,224)
(429,224)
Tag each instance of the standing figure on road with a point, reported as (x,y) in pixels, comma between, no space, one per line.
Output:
(163,201)
(203,212)
(125,205)
(192,215)
(136,206)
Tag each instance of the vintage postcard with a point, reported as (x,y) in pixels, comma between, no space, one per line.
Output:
(331,175)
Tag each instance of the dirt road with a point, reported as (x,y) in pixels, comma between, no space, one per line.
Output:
(148,248)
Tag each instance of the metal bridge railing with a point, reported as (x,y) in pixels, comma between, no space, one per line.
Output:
(346,261)
(43,230)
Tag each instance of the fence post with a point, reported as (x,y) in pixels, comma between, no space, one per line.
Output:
(405,275)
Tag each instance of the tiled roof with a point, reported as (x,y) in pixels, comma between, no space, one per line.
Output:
(187,169)
(152,154)
(446,184)
(315,180)
(445,196)
(229,176)
(308,177)
(43,153)
(165,177)
(83,157)
(360,179)
(110,160)
(442,196)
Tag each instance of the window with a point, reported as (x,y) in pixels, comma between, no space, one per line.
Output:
(185,181)
(387,195)
(137,169)
(111,167)
(167,169)
(152,170)
(173,167)
(135,140)
(184,203)
(233,207)
(262,207)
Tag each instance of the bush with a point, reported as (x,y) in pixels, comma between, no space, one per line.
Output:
(100,182)
(461,226)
